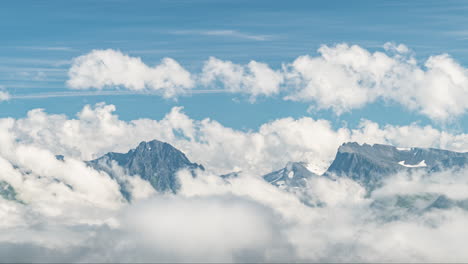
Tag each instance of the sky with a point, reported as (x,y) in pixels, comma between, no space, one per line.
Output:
(237,86)
(40,40)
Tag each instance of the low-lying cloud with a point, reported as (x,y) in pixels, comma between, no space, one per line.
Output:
(243,219)
(97,130)
(60,210)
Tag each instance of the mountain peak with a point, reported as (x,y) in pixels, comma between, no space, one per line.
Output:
(353,147)
(154,161)
(295,174)
(152,143)
(369,164)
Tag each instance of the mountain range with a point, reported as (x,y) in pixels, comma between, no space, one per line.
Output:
(368,165)
(157,162)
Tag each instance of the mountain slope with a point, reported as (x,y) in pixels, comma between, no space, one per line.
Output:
(369,164)
(155,161)
(294,175)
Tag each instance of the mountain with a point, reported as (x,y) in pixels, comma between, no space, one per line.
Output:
(369,164)
(294,175)
(7,191)
(294,178)
(155,161)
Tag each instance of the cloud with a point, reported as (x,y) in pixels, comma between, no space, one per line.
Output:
(254,79)
(97,130)
(224,33)
(363,77)
(449,183)
(102,69)
(207,228)
(346,77)
(348,229)
(50,48)
(4,96)
(69,212)
(340,77)
(101,93)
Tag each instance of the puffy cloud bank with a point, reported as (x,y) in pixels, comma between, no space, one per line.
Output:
(339,77)
(254,79)
(97,130)
(104,68)
(345,77)
(60,210)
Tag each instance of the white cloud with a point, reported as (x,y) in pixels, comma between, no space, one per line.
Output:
(340,77)
(97,130)
(254,79)
(45,48)
(71,212)
(108,68)
(400,48)
(346,77)
(4,96)
(224,33)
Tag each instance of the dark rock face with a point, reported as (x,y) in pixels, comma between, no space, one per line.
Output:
(295,174)
(369,164)
(155,161)
(7,191)
(294,178)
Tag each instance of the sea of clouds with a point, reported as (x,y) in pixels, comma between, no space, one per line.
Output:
(68,212)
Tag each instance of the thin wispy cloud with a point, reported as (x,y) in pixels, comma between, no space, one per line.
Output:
(100,93)
(31,62)
(461,34)
(225,33)
(48,48)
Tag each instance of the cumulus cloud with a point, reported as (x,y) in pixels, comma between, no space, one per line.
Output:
(97,130)
(68,212)
(102,69)
(341,77)
(255,78)
(346,77)
(348,229)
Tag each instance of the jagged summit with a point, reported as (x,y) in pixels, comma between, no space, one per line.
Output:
(368,164)
(295,174)
(411,156)
(155,161)
(352,147)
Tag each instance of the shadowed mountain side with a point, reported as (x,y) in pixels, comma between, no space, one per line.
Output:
(154,161)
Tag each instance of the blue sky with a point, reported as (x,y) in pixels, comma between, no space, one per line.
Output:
(40,38)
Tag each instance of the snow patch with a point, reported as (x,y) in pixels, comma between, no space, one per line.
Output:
(291,174)
(403,149)
(420,164)
(318,167)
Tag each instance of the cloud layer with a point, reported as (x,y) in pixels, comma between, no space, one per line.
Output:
(339,77)
(68,212)
(97,130)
